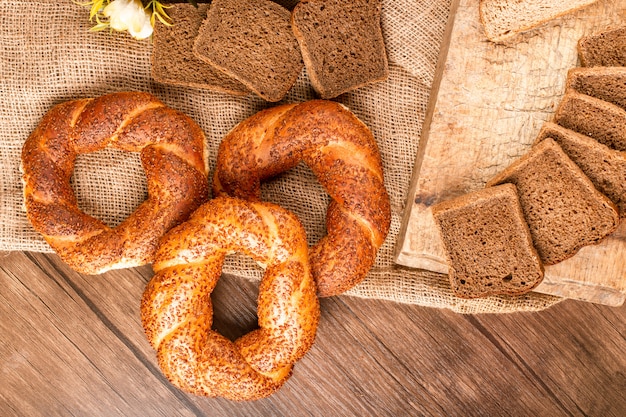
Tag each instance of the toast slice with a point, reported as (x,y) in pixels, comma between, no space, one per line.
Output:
(605,83)
(342,44)
(488,244)
(251,41)
(606,168)
(563,209)
(599,119)
(504,19)
(603,49)
(173,61)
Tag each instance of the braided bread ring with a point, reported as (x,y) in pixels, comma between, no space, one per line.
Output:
(176,309)
(344,156)
(172,155)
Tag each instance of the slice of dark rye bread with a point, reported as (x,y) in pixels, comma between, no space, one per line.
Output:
(603,49)
(342,44)
(173,61)
(488,244)
(606,168)
(599,119)
(563,209)
(251,41)
(605,83)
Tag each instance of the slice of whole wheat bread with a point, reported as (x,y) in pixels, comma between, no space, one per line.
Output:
(173,61)
(252,41)
(603,49)
(342,44)
(488,244)
(563,209)
(605,83)
(606,168)
(599,119)
(504,19)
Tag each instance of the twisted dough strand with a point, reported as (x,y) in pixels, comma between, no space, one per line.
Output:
(171,146)
(176,307)
(344,156)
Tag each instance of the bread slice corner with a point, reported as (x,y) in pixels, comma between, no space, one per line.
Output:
(604,83)
(594,117)
(606,48)
(605,167)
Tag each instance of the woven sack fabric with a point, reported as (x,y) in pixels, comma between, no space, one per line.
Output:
(48,55)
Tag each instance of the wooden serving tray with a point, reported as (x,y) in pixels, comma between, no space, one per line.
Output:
(487,105)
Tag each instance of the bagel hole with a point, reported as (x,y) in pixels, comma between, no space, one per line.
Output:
(109,184)
(235,306)
(299,191)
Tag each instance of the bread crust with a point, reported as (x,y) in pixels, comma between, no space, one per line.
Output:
(344,156)
(171,147)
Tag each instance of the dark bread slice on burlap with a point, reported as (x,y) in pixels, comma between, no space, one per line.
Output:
(605,83)
(342,44)
(599,119)
(563,209)
(488,244)
(606,168)
(603,49)
(251,41)
(173,61)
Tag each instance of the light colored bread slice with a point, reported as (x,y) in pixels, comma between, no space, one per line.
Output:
(606,168)
(605,83)
(488,244)
(251,41)
(563,209)
(342,44)
(590,116)
(504,19)
(603,49)
(173,61)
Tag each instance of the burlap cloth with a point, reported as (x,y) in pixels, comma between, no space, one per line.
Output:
(47,55)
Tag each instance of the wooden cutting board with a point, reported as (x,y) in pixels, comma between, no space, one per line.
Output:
(487,105)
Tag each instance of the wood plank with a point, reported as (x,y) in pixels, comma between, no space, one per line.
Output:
(486,110)
(451,362)
(61,356)
(73,345)
(581,357)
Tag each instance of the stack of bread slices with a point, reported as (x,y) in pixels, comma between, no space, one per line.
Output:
(566,192)
(258,46)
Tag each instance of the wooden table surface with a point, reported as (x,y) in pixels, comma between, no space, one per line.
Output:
(73,345)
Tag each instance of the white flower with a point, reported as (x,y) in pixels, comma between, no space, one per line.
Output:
(129,15)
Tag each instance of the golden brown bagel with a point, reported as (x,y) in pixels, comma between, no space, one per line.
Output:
(176,309)
(172,155)
(344,156)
